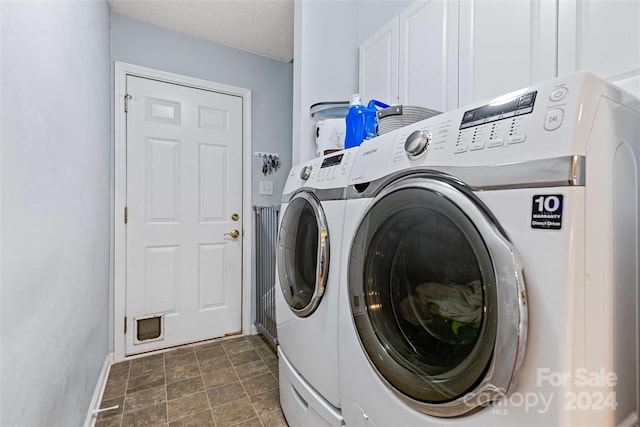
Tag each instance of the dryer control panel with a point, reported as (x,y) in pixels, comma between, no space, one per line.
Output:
(330,171)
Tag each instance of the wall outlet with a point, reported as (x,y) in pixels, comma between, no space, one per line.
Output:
(266,187)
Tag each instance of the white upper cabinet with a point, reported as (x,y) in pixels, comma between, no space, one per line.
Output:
(413,59)
(378,75)
(505,46)
(428,55)
(602,37)
(442,54)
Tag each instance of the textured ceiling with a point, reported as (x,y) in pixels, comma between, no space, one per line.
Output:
(264,27)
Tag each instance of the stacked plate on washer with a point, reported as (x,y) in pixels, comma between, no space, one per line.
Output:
(397,116)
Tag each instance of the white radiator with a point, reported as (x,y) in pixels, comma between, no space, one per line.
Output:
(266,232)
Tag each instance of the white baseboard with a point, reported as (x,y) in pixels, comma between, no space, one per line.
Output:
(90,421)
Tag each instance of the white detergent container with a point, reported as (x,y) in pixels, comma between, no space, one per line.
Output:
(330,125)
(330,135)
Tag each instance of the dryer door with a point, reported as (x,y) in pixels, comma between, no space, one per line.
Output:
(303,254)
(437,297)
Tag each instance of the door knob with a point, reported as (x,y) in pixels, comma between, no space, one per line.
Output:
(234,234)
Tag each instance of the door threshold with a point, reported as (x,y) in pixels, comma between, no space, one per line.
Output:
(223,338)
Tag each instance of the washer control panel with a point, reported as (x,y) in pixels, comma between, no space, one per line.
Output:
(546,120)
(526,124)
(494,125)
(499,110)
(506,122)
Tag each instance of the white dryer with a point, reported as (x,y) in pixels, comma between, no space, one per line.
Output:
(307,288)
(493,264)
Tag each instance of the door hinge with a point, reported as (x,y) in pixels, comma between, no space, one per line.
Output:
(126,214)
(127,97)
(125,325)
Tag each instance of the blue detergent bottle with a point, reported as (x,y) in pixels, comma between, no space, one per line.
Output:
(355,121)
(361,121)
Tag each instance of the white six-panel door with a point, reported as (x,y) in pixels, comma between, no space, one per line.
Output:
(184,185)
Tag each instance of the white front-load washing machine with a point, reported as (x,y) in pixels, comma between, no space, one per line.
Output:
(307,288)
(491,265)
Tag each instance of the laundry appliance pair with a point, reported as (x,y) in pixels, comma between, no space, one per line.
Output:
(488,271)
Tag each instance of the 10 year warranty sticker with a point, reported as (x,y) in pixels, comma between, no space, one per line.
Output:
(546,211)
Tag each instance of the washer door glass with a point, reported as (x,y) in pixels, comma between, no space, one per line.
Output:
(303,254)
(423,292)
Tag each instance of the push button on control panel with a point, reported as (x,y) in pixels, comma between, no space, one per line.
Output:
(558,94)
(477,146)
(462,148)
(553,119)
(517,139)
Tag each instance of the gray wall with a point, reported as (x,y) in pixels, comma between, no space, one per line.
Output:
(55,209)
(270,81)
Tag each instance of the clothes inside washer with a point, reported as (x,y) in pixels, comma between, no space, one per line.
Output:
(451,313)
(457,302)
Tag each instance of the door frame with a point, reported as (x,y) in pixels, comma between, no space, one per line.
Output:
(119,182)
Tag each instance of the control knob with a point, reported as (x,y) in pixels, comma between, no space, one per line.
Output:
(417,143)
(305,173)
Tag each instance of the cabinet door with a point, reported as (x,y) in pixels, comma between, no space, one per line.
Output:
(379,65)
(602,37)
(505,46)
(428,55)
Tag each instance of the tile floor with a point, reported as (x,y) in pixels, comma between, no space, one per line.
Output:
(227,383)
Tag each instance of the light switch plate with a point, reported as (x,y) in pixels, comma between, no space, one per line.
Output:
(266,187)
